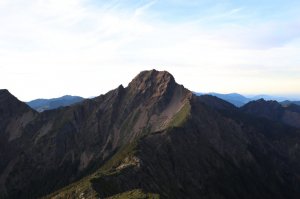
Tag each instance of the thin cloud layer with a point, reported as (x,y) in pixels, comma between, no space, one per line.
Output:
(90,47)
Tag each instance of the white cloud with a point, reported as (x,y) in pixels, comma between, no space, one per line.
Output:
(50,48)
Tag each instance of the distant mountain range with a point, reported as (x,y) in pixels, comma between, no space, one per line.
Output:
(41,105)
(239,100)
(151,139)
(236,99)
(287,102)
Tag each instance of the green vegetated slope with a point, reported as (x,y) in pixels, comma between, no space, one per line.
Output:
(135,194)
(180,117)
(88,187)
(125,159)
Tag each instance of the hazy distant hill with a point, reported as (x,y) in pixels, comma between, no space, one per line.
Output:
(269,97)
(234,98)
(49,104)
(239,100)
(287,102)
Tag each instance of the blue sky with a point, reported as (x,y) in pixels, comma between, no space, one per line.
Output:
(49,48)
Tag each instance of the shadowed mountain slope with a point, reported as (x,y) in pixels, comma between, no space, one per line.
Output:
(215,102)
(64,144)
(152,139)
(212,154)
(272,110)
(234,98)
(287,102)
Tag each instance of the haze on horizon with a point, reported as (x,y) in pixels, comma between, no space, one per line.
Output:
(49,48)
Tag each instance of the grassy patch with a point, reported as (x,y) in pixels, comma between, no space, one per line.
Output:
(135,194)
(181,116)
(84,187)
(74,190)
(116,159)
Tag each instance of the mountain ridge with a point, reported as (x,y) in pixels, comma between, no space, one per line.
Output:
(153,138)
(273,110)
(41,105)
(240,100)
(119,117)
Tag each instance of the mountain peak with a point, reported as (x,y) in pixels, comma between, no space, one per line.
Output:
(153,76)
(4,91)
(154,136)
(6,95)
(152,79)
(268,109)
(263,102)
(11,106)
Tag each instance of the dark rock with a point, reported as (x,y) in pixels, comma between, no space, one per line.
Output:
(153,135)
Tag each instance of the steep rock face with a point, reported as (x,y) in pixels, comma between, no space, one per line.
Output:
(63,145)
(13,109)
(153,136)
(216,151)
(272,110)
(14,117)
(212,155)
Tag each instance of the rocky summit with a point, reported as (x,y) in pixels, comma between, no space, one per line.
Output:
(152,139)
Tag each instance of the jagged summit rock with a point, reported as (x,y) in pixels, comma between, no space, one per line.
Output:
(152,79)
